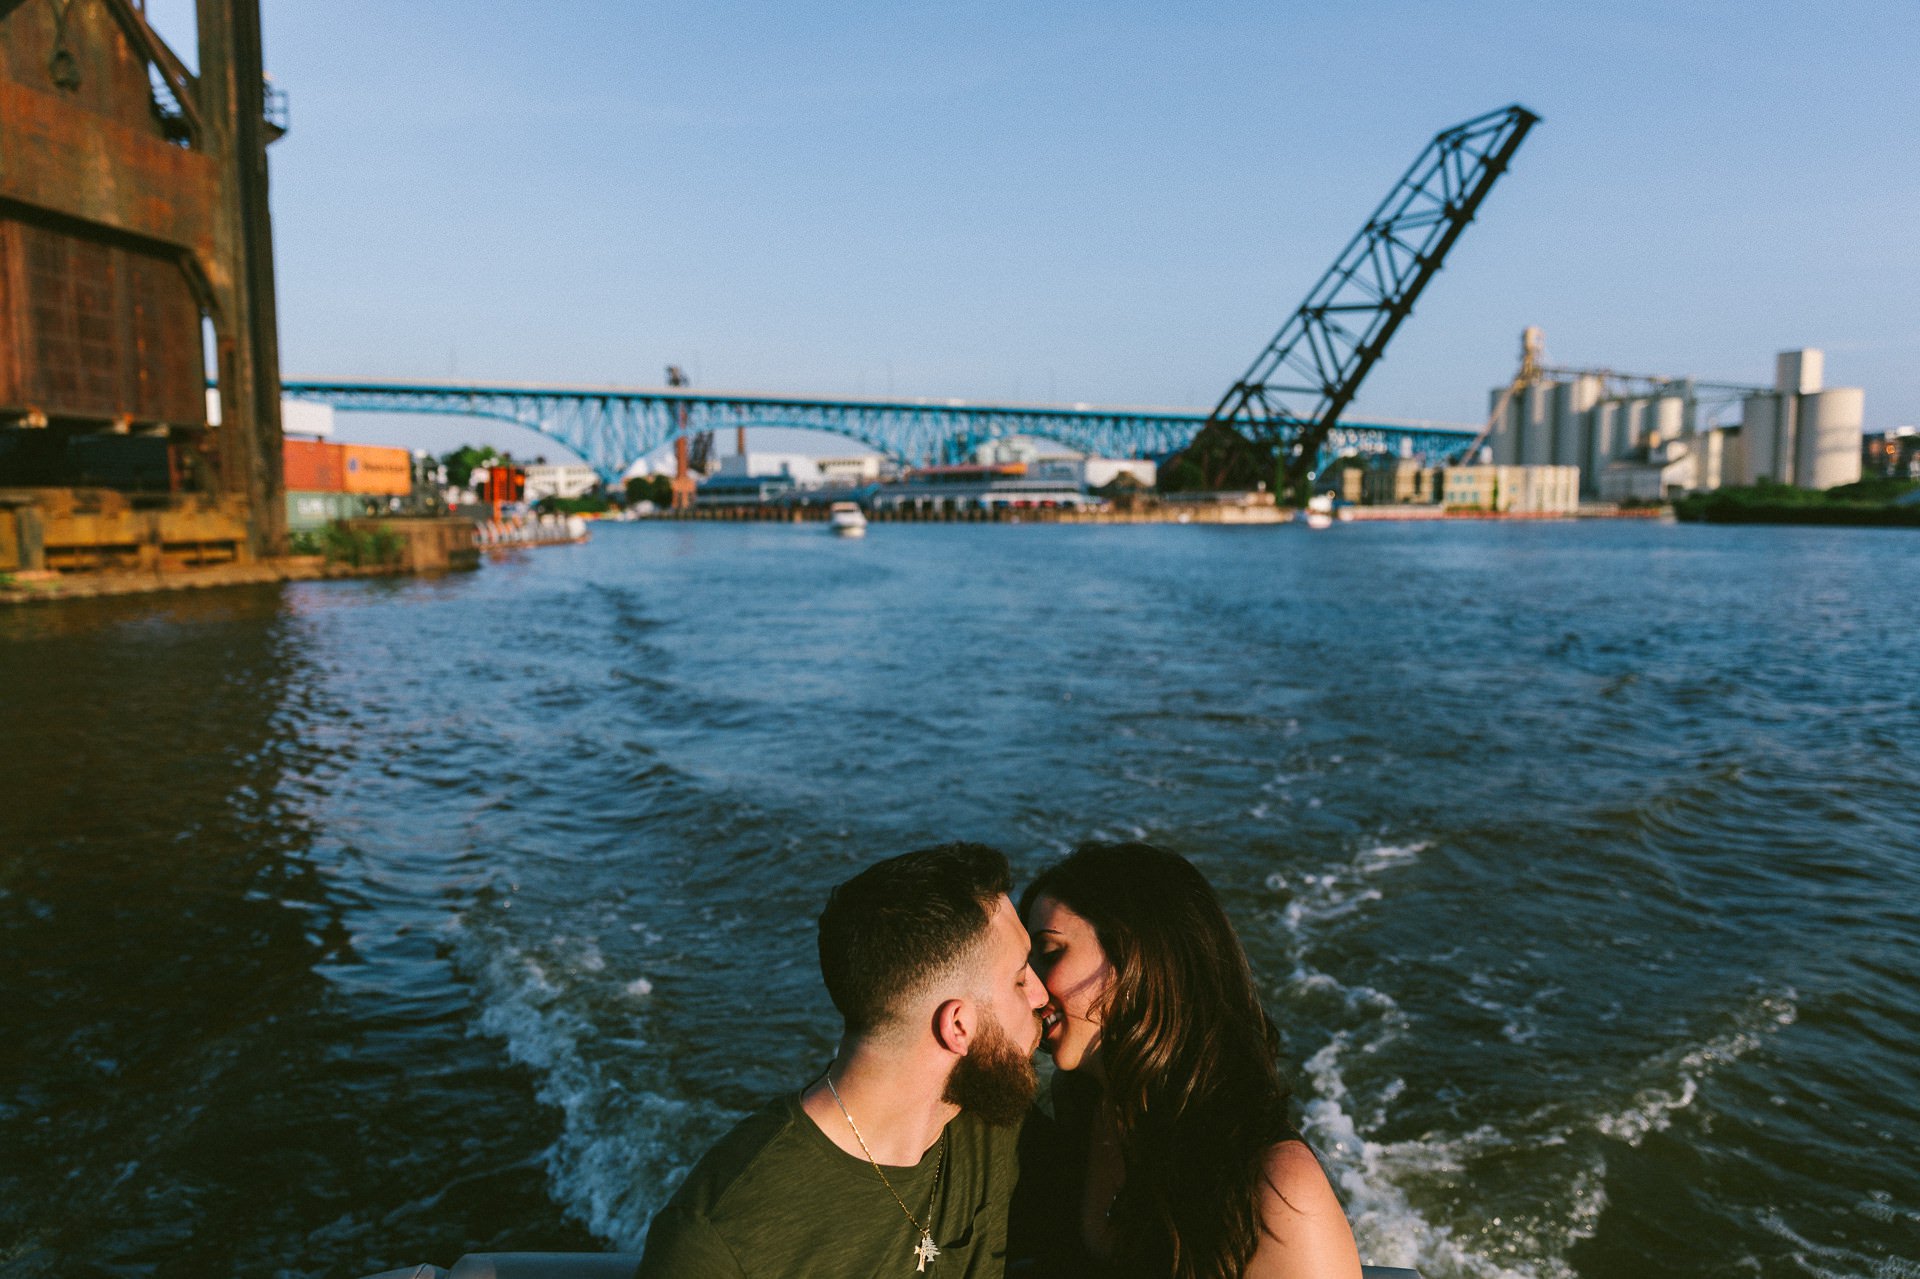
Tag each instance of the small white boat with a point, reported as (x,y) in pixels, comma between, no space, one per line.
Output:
(1319,512)
(846,520)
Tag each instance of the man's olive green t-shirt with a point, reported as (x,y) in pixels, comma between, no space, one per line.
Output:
(776,1198)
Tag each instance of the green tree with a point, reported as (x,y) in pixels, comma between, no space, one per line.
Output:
(657,489)
(1219,458)
(590,504)
(462,462)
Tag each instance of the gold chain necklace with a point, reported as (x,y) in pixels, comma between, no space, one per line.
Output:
(926,1249)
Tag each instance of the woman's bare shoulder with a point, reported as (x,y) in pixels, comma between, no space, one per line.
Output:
(1306,1231)
(1295,1175)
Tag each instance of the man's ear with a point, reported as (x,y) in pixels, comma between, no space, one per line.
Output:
(953,1025)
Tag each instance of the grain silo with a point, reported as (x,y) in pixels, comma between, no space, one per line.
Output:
(1827,450)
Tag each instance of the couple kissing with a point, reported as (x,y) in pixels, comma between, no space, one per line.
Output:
(1169,1153)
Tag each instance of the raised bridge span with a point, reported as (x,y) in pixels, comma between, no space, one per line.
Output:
(614,427)
(1319,358)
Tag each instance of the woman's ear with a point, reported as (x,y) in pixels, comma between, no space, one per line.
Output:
(953,1025)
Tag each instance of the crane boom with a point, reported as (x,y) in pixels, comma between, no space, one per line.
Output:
(1327,347)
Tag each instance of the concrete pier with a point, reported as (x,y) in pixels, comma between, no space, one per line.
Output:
(388,548)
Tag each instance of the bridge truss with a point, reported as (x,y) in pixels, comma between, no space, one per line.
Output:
(1327,347)
(614,427)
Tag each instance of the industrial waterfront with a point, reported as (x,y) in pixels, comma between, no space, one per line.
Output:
(148,439)
(359,910)
(406,918)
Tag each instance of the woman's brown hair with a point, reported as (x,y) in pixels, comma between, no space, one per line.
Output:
(1190,1058)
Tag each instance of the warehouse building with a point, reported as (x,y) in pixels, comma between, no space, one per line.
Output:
(562,480)
(1511,490)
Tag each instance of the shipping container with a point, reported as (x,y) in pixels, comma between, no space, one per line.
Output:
(314,466)
(308,512)
(372,468)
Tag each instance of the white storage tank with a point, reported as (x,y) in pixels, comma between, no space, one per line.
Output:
(1712,449)
(1506,436)
(1666,418)
(1633,424)
(1829,437)
(1760,439)
(1606,439)
(1573,420)
(1536,430)
(1733,456)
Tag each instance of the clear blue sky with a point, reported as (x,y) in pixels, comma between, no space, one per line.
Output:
(1113,202)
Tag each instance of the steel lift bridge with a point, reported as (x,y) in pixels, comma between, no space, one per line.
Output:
(1320,356)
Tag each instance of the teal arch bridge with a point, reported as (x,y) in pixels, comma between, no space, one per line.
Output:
(614,427)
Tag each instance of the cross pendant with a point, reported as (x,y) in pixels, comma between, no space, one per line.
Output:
(926,1251)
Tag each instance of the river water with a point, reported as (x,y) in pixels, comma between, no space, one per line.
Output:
(351,924)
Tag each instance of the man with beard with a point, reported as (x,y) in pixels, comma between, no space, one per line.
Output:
(901,1158)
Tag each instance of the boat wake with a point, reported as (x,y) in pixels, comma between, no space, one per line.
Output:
(628,1132)
(1419,1202)
(565,1014)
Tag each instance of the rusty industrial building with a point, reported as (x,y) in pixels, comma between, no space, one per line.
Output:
(136,254)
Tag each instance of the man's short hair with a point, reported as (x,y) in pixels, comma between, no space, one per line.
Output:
(898,924)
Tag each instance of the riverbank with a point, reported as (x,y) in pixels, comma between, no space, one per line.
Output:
(45,587)
(354,548)
(1705,510)
(1163,513)
(1870,503)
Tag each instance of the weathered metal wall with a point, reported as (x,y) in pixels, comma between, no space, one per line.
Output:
(79,51)
(93,332)
(132,205)
(99,214)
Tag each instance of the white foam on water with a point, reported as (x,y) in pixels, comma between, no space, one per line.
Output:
(1821,1260)
(1327,905)
(1653,1108)
(1879,1206)
(622,1147)
(1388,857)
(1380,1182)
(1337,890)
(1374,1178)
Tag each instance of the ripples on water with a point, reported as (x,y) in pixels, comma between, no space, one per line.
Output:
(353,924)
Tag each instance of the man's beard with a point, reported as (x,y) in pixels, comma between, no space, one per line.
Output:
(995,1080)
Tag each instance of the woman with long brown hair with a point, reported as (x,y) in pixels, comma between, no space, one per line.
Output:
(1176,1153)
